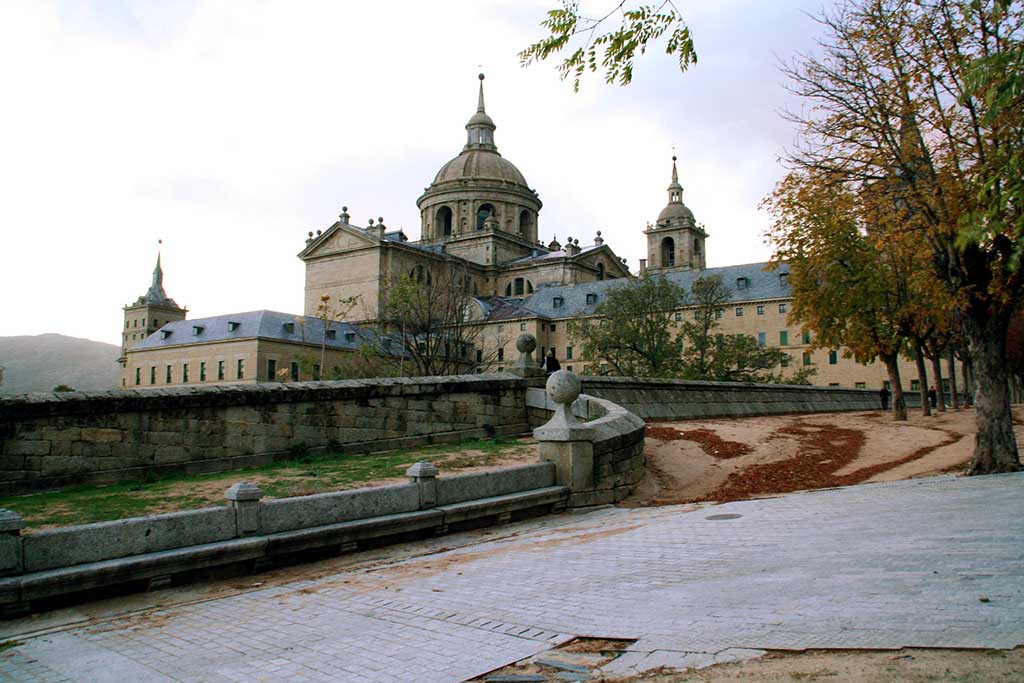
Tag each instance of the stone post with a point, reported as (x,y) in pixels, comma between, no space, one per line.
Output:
(567,442)
(245,499)
(11,558)
(424,475)
(526,365)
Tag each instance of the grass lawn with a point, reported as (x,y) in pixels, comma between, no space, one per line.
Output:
(301,476)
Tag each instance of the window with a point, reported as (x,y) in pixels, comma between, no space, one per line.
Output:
(289,328)
(679,316)
(294,372)
(184,372)
(915,385)
(220,369)
(807,358)
(739,311)
(568,353)
(482,214)
(807,337)
(591,299)
(152,374)
(519,286)
(833,384)
(552,327)
(127,324)
(479,355)
(696,314)
(782,308)
(784,279)
(945,386)
(760,309)
(316,372)
(833,357)
(444,219)
(668,253)
(557,302)
(569,368)
(143,322)
(197,330)
(600,271)
(742,283)
(271,368)
(332,334)
(350,336)
(859,385)
(522,327)
(202,371)
(762,338)
(138,376)
(167,375)
(887,385)
(501,353)
(784,338)
(785,360)
(240,369)
(719,313)
(135,323)
(501,369)
(232,325)
(164,334)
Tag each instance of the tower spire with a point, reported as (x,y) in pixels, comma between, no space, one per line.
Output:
(158,272)
(675,190)
(481,127)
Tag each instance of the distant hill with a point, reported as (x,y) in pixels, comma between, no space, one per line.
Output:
(41,362)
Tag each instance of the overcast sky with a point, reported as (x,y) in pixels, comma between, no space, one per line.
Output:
(230,130)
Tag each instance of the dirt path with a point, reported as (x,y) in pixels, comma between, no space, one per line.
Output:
(734,459)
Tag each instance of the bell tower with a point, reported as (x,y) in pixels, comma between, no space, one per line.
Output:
(675,241)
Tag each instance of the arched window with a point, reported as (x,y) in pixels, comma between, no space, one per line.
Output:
(600,270)
(444,221)
(524,223)
(416,274)
(482,214)
(668,252)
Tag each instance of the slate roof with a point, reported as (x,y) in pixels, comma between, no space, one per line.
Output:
(761,286)
(260,324)
(497,308)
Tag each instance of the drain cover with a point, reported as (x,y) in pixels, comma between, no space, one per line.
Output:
(729,516)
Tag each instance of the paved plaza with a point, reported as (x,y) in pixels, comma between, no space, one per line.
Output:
(923,563)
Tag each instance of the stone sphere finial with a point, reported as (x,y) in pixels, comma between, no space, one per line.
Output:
(310,233)
(526,343)
(563,387)
(481,77)
(344,208)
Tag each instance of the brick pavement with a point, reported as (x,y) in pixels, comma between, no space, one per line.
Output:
(923,563)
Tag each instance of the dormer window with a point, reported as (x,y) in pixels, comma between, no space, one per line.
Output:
(350,336)
(232,325)
(742,283)
(332,334)
(784,279)
(289,328)
(591,299)
(164,334)
(557,302)
(197,330)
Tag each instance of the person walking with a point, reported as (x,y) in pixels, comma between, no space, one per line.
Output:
(883,394)
(551,364)
(932,397)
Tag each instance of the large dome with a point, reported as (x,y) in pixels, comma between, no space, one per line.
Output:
(480,164)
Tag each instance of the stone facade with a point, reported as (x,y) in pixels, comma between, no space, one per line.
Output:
(105,437)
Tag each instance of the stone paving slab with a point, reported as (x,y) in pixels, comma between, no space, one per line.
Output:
(924,563)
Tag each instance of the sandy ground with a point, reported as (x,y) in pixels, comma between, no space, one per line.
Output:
(732,459)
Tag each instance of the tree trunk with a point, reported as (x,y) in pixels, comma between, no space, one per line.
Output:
(899,405)
(951,364)
(922,380)
(940,396)
(995,449)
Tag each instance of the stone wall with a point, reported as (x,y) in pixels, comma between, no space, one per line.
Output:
(664,399)
(57,440)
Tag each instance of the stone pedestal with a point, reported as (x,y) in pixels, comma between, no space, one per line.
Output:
(564,440)
(245,499)
(424,475)
(526,365)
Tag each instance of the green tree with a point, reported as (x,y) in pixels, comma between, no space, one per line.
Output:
(634,329)
(616,48)
(62,388)
(710,355)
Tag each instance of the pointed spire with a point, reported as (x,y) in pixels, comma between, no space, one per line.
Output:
(480,127)
(158,272)
(675,190)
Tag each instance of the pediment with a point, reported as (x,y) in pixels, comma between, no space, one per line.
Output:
(338,238)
